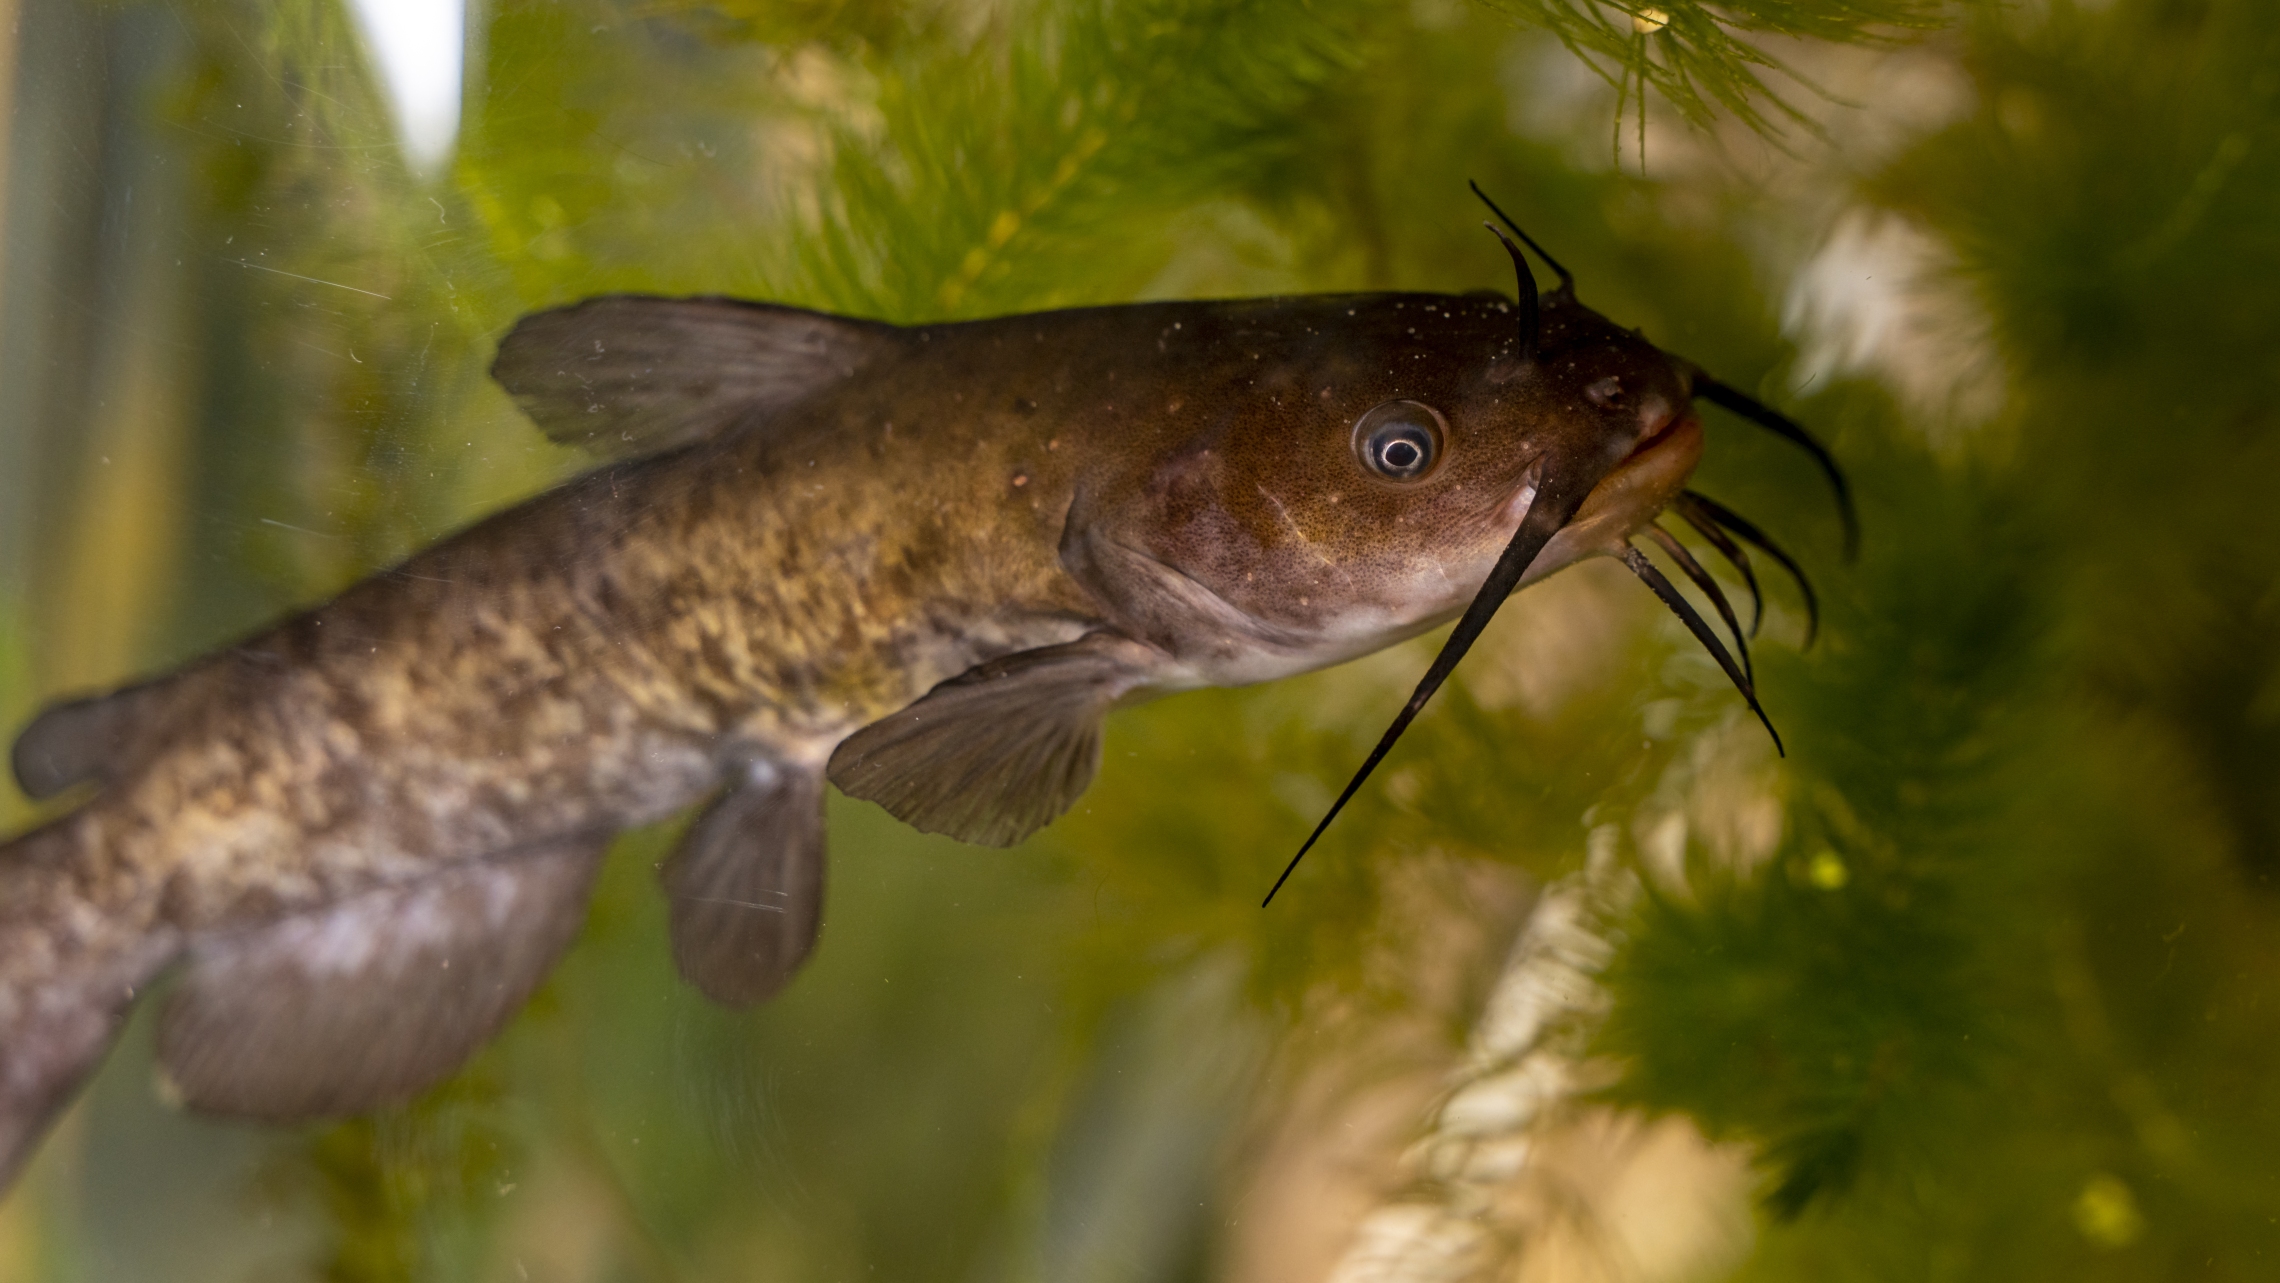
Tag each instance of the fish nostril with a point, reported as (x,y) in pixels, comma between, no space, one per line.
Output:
(1606,391)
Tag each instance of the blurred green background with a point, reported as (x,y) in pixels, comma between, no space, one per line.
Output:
(1978,983)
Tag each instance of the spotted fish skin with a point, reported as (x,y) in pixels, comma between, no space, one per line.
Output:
(927,560)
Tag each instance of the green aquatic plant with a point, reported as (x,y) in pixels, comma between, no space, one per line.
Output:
(1709,61)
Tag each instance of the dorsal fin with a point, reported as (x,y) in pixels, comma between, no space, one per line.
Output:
(627,374)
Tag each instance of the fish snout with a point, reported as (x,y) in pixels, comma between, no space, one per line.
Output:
(1656,469)
(1657,415)
(1629,498)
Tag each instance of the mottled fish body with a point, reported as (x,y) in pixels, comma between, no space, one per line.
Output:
(923,563)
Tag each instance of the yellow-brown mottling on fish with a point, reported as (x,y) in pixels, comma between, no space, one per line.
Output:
(922,563)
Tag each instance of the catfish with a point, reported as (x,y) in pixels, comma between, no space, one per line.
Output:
(922,563)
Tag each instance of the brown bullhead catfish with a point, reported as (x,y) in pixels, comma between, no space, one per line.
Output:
(922,563)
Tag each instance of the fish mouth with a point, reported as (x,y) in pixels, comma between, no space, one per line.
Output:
(1661,434)
(1661,462)
(1629,498)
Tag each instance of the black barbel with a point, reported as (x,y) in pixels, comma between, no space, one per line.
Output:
(1708,583)
(1547,513)
(1700,627)
(1744,530)
(1688,506)
(1531,312)
(1566,290)
(1781,425)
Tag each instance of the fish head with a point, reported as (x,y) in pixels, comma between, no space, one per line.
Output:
(1370,457)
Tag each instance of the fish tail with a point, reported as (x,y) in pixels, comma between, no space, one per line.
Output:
(75,948)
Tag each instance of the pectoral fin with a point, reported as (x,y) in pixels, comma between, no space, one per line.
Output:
(372,1001)
(746,886)
(1001,751)
(626,375)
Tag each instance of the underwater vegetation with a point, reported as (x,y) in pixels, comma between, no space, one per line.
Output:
(1975,982)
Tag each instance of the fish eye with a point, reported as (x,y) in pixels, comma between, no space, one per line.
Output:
(1399,440)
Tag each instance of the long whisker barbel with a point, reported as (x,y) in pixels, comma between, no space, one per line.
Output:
(1531,314)
(1703,580)
(1744,530)
(1689,509)
(1566,289)
(1547,514)
(1729,398)
(1695,624)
